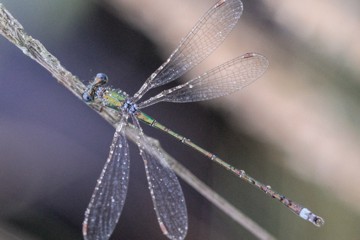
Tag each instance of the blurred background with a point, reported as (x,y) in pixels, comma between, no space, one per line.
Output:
(295,129)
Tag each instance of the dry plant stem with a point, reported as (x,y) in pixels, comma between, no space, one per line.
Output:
(11,29)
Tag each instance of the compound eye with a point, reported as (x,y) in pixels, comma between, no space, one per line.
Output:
(87,97)
(102,78)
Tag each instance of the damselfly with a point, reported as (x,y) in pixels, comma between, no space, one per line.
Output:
(109,196)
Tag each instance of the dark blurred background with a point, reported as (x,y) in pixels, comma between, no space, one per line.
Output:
(295,129)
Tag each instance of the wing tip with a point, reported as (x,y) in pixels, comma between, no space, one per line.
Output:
(261,58)
(180,234)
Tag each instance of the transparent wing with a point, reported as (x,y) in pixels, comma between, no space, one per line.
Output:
(222,80)
(165,189)
(208,33)
(109,195)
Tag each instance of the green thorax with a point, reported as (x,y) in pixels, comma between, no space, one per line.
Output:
(113,98)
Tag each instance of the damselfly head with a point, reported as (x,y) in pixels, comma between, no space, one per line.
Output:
(88,96)
(100,79)
(90,92)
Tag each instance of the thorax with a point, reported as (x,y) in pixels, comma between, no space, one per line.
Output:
(116,99)
(111,98)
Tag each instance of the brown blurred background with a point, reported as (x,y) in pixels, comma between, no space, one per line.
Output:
(295,129)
